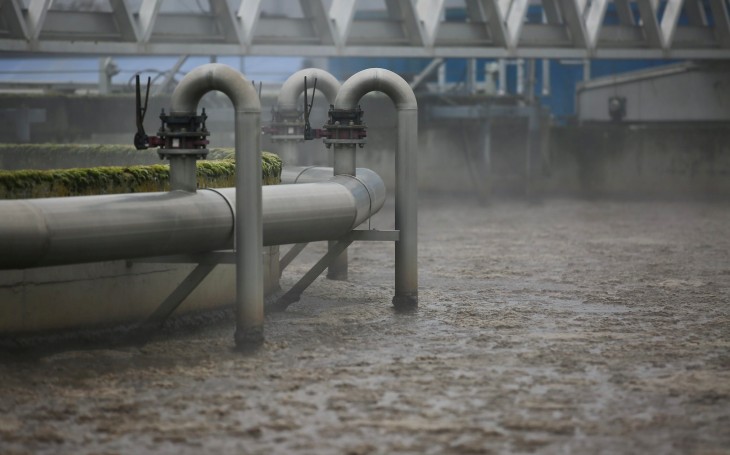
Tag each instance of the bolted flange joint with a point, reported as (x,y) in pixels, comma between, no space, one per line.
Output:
(183,136)
(345,126)
(285,126)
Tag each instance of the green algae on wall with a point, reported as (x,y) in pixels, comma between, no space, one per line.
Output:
(59,156)
(116,179)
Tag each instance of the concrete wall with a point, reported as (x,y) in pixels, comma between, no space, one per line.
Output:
(679,93)
(601,159)
(101,295)
(652,159)
(646,160)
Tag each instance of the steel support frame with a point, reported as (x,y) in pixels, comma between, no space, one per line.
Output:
(140,31)
(335,249)
(206,262)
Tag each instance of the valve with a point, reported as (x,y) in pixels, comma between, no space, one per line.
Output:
(292,125)
(309,134)
(141,140)
(183,135)
(345,126)
(179,135)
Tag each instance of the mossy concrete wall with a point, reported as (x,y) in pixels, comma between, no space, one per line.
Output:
(218,172)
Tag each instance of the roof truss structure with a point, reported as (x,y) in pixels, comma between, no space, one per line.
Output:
(695,29)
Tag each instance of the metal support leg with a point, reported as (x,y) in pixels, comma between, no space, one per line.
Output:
(295,292)
(290,255)
(173,301)
(344,164)
(338,267)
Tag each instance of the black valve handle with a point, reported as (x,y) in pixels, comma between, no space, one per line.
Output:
(141,140)
(308,132)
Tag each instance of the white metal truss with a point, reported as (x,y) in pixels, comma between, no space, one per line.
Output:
(404,28)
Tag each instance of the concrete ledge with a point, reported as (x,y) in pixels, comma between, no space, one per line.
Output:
(101,295)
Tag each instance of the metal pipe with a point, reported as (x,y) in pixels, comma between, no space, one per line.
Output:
(70,230)
(406,192)
(313,174)
(502,86)
(520,76)
(293,87)
(54,231)
(545,77)
(248,229)
(471,75)
(183,173)
(287,104)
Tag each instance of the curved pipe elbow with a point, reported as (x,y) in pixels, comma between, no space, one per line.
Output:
(294,86)
(376,80)
(214,76)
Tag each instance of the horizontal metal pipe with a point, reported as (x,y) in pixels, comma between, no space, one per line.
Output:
(312,174)
(55,231)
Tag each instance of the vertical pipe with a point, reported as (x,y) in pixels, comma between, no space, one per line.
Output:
(249,237)
(406,211)
(344,159)
(471,75)
(293,87)
(406,191)
(545,77)
(441,75)
(344,162)
(502,89)
(183,173)
(530,81)
(520,76)
(287,102)
(288,152)
(248,232)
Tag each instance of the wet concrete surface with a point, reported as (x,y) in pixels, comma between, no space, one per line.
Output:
(567,326)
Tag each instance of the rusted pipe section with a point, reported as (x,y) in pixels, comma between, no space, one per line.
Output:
(248,229)
(406,191)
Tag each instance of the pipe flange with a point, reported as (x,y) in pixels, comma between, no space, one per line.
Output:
(345,127)
(198,154)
